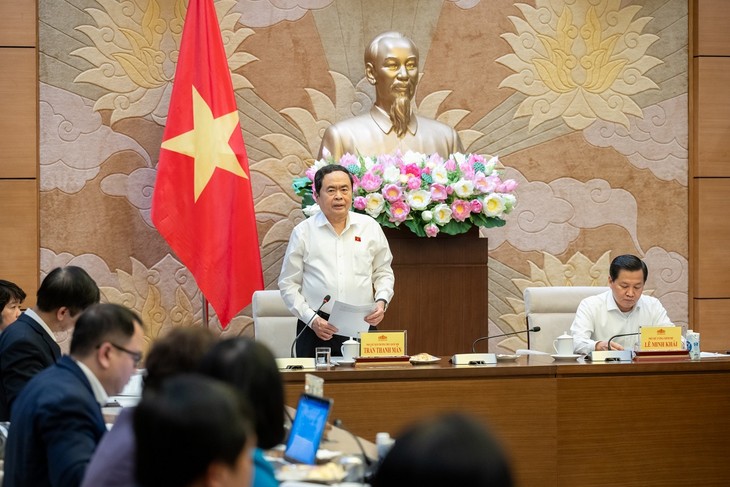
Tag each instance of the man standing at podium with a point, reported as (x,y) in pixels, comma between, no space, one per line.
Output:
(336,253)
(621,310)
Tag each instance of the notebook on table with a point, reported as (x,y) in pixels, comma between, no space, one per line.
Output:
(307,429)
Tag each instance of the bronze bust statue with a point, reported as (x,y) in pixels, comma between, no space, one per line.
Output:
(391,65)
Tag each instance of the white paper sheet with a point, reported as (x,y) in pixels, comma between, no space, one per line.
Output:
(349,318)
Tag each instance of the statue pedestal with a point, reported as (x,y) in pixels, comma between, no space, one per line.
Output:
(440,291)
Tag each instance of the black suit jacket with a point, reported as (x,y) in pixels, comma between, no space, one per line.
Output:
(55,427)
(25,349)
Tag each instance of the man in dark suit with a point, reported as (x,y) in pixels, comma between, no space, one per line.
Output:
(28,345)
(57,422)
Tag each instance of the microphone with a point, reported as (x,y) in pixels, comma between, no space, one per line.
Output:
(325,300)
(368,462)
(621,335)
(474,345)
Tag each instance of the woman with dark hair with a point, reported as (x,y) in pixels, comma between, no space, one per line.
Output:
(450,450)
(251,368)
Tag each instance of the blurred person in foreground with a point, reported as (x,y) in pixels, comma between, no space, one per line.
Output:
(57,422)
(450,450)
(29,344)
(11,297)
(193,431)
(622,309)
(178,352)
(250,367)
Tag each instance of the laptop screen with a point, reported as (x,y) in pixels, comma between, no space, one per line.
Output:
(307,429)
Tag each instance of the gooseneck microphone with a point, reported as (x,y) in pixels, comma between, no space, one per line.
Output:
(618,336)
(474,345)
(325,300)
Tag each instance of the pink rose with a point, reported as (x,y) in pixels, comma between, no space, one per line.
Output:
(431,230)
(507,186)
(450,165)
(412,169)
(399,211)
(436,159)
(438,192)
(474,158)
(467,170)
(481,183)
(414,182)
(476,206)
(310,172)
(460,210)
(370,182)
(349,159)
(355,183)
(360,203)
(392,192)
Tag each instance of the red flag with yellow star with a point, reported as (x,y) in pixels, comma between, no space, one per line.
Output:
(202,202)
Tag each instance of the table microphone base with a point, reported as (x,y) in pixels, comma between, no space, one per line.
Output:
(474,359)
(295,363)
(610,356)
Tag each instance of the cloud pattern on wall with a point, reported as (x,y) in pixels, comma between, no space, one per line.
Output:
(74,142)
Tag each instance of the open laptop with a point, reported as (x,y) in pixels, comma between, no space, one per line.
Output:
(307,429)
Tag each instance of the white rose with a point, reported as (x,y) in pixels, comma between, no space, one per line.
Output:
(411,157)
(463,188)
(391,174)
(459,158)
(370,161)
(442,214)
(427,216)
(509,202)
(375,204)
(440,175)
(493,205)
(418,199)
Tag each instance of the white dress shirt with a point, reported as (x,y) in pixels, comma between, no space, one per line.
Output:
(599,318)
(99,393)
(353,267)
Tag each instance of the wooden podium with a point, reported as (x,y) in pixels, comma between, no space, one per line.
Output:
(440,291)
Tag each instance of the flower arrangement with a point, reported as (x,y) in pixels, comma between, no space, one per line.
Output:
(426,193)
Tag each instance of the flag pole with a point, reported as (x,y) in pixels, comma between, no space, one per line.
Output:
(206,317)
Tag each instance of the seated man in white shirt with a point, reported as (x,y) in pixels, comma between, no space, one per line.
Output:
(621,310)
(338,253)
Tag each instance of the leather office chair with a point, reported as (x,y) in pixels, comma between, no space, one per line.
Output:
(553,309)
(273,324)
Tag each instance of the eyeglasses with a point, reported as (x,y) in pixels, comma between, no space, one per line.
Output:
(137,356)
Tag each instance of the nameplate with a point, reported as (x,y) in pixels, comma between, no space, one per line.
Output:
(382,343)
(664,338)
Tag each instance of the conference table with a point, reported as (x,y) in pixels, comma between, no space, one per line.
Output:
(660,423)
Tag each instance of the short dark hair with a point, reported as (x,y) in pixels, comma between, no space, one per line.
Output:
(68,286)
(178,352)
(627,262)
(328,169)
(186,425)
(251,368)
(106,322)
(451,450)
(8,292)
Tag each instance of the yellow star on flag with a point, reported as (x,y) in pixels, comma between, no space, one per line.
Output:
(207,143)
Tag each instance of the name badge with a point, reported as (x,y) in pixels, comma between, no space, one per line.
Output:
(382,343)
(666,338)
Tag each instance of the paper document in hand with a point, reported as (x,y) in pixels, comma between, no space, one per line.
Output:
(349,318)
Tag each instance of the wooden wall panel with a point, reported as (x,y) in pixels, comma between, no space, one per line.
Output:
(711,321)
(19,236)
(711,21)
(712,117)
(712,259)
(18,23)
(18,125)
